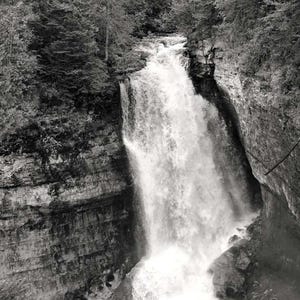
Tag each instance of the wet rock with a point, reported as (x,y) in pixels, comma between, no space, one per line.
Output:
(243,261)
(228,271)
(234,239)
(61,230)
(75,295)
(227,280)
(144,55)
(164,43)
(124,291)
(239,244)
(94,285)
(110,277)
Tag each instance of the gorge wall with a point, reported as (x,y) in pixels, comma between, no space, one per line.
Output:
(66,197)
(66,219)
(66,209)
(268,126)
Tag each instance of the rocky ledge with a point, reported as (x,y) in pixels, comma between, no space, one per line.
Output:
(66,222)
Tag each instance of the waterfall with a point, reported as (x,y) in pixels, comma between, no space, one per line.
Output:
(189,213)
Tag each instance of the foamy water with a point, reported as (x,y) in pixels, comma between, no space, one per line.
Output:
(189,214)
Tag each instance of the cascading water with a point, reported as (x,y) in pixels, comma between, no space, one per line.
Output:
(189,213)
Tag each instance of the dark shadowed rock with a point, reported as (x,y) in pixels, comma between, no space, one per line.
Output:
(233,239)
(62,224)
(124,291)
(228,271)
(110,277)
(242,261)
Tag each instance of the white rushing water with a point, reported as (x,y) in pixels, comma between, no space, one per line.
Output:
(189,215)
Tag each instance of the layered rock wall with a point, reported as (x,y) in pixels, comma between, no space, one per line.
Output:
(65,223)
(270,137)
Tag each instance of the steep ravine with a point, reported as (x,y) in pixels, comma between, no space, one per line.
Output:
(67,225)
(269,137)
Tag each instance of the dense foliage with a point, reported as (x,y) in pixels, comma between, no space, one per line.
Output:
(56,55)
(65,53)
(261,36)
(74,44)
(17,65)
(270,29)
(65,44)
(199,16)
(148,15)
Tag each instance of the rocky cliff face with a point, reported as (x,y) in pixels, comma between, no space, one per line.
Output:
(270,136)
(66,222)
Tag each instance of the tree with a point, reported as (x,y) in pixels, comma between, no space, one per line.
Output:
(108,13)
(120,29)
(196,15)
(70,67)
(147,14)
(18,65)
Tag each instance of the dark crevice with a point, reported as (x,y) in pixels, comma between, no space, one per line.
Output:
(204,83)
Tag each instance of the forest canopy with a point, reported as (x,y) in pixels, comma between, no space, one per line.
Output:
(67,52)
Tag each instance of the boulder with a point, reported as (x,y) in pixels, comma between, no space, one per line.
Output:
(228,272)
(124,290)
(242,261)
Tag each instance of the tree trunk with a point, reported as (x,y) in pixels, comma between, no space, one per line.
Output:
(107,30)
